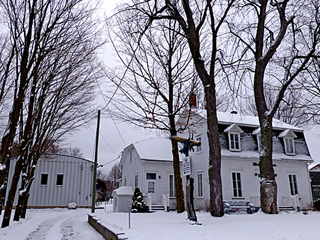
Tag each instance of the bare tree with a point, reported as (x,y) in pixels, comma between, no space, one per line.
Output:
(20,51)
(278,39)
(298,107)
(201,23)
(158,81)
(62,72)
(114,175)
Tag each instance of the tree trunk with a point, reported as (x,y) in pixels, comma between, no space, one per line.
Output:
(177,176)
(214,171)
(12,193)
(21,207)
(268,187)
(24,206)
(8,138)
(17,213)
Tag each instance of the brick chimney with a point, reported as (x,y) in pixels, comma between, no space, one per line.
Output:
(192,100)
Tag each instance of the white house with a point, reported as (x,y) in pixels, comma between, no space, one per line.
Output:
(240,140)
(148,165)
(59,180)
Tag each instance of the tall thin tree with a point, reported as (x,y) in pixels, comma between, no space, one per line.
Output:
(201,23)
(61,68)
(158,81)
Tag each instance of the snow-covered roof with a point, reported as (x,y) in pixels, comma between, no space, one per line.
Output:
(255,155)
(287,133)
(154,149)
(257,131)
(233,128)
(124,190)
(244,120)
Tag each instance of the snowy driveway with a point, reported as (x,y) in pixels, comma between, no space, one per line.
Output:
(52,224)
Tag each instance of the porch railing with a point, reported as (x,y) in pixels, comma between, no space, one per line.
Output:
(165,202)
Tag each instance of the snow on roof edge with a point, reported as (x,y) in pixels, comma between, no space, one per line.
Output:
(246,120)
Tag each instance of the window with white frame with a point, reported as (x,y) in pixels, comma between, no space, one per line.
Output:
(234,141)
(200,185)
(198,139)
(151,186)
(288,140)
(236,184)
(293,184)
(234,132)
(172,190)
(289,146)
(136,179)
(259,142)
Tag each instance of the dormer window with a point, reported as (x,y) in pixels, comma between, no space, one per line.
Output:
(288,139)
(289,146)
(257,132)
(234,141)
(234,137)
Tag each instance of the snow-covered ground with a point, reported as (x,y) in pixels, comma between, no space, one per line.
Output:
(72,224)
(51,224)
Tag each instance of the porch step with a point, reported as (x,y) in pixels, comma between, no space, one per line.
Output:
(157,207)
(286,208)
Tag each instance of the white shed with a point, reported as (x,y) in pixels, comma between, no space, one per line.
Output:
(122,199)
(59,180)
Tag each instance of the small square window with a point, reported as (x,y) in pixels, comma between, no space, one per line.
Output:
(152,176)
(59,180)
(44,179)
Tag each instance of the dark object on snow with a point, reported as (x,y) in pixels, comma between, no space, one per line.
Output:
(316,205)
(189,197)
(238,205)
(138,204)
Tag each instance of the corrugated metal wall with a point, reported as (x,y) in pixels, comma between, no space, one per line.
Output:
(77,182)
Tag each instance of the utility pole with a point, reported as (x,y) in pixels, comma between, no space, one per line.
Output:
(95,167)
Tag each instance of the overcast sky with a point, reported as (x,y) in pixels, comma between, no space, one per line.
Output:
(112,141)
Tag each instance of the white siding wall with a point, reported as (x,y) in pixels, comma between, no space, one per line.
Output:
(130,169)
(163,170)
(141,167)
(250,182)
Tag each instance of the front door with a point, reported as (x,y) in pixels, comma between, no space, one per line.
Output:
(152,187)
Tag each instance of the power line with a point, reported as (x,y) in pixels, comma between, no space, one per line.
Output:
(106,106)
(110,161)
